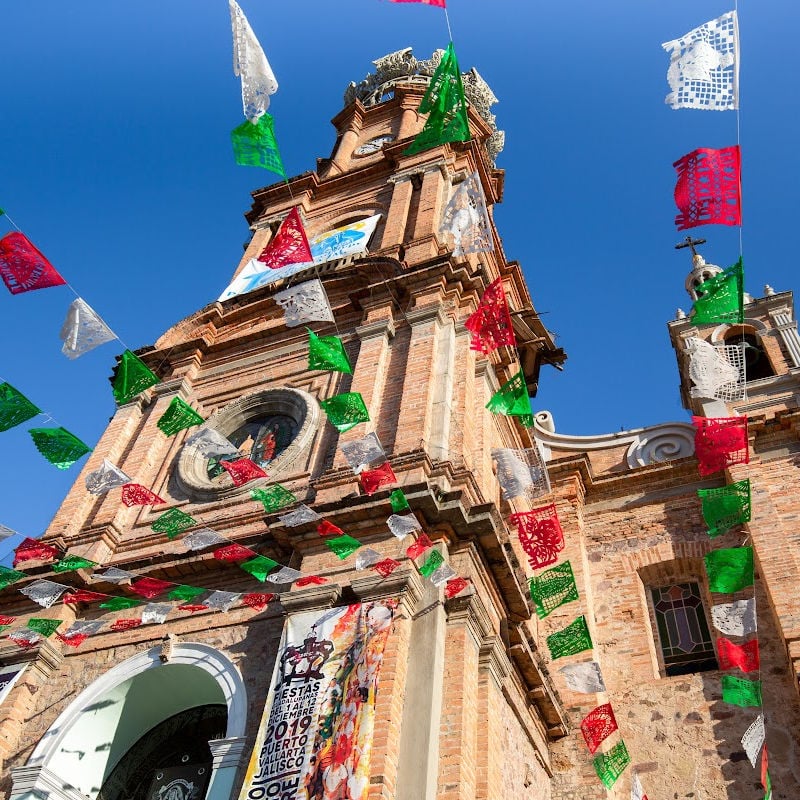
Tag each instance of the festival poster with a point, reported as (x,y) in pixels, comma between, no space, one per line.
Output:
(315,737)
(331,245)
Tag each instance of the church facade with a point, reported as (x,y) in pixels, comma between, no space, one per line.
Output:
(467,701)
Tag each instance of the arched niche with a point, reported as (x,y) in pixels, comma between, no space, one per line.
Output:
(99,727)
(749,334)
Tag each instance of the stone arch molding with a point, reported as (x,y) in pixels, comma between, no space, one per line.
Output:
(191,474)
(43,771)
(758,326)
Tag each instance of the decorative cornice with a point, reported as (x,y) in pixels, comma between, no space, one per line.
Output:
(43,657)
(424,314)
(656,444)
(441,164)
(227,752)
(178,386)
(377,329)
(39,781)
(468,609)
(311,598)
(492,658)
(403,584)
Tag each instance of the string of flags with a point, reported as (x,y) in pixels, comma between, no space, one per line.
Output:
(174,522)
(522,475)
(704,74)
(306,302)
(254,142)
(366,457)
(24,268)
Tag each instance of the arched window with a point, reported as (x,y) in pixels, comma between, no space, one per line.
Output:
(757,362)
(261,439)
(683,633)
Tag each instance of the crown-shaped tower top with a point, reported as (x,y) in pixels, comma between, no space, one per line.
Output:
(401,67)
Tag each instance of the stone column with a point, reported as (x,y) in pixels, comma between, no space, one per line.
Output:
(397,218)
(370,369)
(486,384)
(344,151)
(786,328)
(396,696)
(494,668)
(418,761)
(443,378)
(462,432)
(80,506)
(103,514)
(425,237)
(228,755)
(147,462)
(262,236)
(410,121)
(41,663)
(353,118)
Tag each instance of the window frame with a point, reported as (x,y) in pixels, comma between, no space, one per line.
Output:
(674,665)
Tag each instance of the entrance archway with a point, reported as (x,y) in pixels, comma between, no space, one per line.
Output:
(171,760)
(119,711)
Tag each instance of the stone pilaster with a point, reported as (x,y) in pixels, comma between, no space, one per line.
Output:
(468,624)
(415,421)
(228,755)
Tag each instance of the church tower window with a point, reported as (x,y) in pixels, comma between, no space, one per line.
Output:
(757,364)
(261,439)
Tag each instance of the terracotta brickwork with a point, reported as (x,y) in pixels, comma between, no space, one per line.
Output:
(461,675)
(630,530)
(468,704)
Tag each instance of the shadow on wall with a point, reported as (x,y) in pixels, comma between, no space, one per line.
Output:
(781,714)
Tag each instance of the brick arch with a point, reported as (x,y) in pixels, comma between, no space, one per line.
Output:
(650,562)
(754,326)
(100,721)
(668,563)
(347,216)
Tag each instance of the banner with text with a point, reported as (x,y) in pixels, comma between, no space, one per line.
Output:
(315,737)
(348,240)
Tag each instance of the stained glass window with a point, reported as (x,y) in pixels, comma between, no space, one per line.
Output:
(261,439)
(683,632)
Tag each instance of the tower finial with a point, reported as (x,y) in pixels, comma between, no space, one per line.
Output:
(691,243)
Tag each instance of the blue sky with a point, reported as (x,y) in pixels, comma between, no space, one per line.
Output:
(115,160)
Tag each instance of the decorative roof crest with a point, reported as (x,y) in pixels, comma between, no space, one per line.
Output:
(402,67)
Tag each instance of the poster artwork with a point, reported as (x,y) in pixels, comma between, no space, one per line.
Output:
(315,737)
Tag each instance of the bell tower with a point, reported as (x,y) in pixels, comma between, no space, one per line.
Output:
(762,353)
(464,703)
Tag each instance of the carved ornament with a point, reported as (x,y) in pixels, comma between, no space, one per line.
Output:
(402,67)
